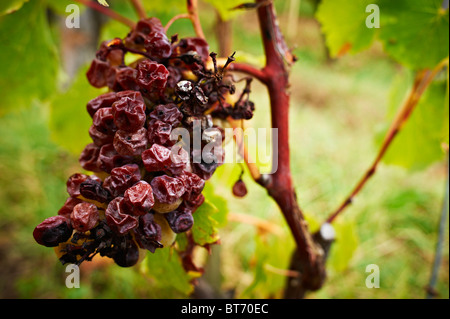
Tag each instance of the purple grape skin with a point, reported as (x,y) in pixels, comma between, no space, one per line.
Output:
(121,179)
(53,231)
(131,144)
(167,189)
(129,114)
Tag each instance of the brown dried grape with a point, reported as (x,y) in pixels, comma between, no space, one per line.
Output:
(239,188)
(104,100)
(139,198)
(136,38)
(148,235)
(109,158)
(96,74)
(74,182)
(103,121)
(152,76)
(125,79)
(167,113)
(129,114)
(158,45)
(119,221)
(131,144)
(179,160)
(100,138)
(68,206)
(159,132)
(196,45)
(121,179)
(89,158)
(194,203)
(53,231)
(84,217)
(167,189)
(193,184)
(156,158)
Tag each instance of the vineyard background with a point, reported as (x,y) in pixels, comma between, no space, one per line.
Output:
(339,113)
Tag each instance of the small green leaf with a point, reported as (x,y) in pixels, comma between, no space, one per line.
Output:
(167,274)
(205,226)
(344,24)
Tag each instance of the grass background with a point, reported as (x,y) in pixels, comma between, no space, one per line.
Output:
(338,108)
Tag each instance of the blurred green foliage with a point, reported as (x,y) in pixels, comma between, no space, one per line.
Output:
(338,106)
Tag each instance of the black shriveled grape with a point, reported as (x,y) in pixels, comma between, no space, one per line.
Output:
(149,233)
(167,189)
(108,158)
(156,158)
(117,219)
(92,189)
(84,216)
(139,198)
(167,113)
(127,254)
(180,220)
(152,76)
(104,100)
(158,45)
(53,231)
(122,178)
(131,144)
(129,114)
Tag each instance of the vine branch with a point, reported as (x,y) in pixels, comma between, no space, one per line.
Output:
(139,8)
(421,82)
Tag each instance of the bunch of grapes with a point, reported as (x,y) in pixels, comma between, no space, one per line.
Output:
(144,187)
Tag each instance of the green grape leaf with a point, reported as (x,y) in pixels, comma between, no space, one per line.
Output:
(166,273)
(9,6)
(29,61)
(418,144)
(343,248)
(205,229)
(224,8)
(69,120)
(344,24)
(219,202)
(415,32)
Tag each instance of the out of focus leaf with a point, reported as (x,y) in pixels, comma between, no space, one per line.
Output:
(419,142)
(205,229)
(9,6)
(344,25)
(344,247)
(415,32)
(69,120)
(166,272)
(225,8)
(219,202)
(28,60)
